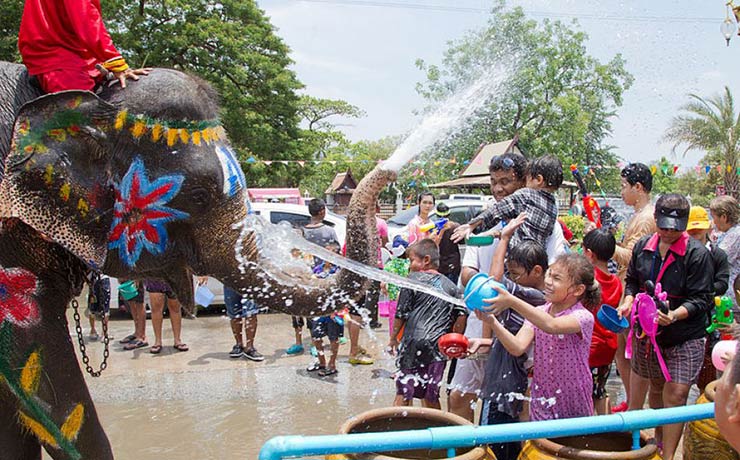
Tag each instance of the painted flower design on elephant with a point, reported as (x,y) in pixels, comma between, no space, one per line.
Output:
(140,214)
(18,289)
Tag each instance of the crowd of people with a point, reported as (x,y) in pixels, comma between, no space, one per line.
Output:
(539,335)
(539,343)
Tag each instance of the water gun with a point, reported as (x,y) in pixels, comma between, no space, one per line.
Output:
(659,296)
(434,226)
(341,316)
(722,313)
(593,211)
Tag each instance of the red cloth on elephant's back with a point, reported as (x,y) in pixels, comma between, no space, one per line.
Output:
(604,341)
(64,35)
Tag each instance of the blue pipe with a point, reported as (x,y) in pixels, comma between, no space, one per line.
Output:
(281,447)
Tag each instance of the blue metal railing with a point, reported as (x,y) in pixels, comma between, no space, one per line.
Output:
(281,447)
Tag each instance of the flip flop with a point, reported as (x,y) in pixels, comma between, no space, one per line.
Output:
(327,372)
(134,344)
(181,347)
(128,339)
(155,349)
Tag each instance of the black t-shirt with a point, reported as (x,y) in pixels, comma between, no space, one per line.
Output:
(427,319)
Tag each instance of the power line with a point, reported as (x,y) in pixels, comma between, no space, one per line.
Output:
(546,14)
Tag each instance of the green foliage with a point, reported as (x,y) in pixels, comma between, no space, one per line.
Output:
(360,157)
(711,125)
(556,97)
(663,179)
(10,22)
(576,225)
(700,188)
(233,46)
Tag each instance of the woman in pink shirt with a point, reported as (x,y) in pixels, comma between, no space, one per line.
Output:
(412,233)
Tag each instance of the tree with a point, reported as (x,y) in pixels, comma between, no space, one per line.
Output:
(10,23)
(231,44)
(321,135)
(556,97)
(361,157)
(713,126)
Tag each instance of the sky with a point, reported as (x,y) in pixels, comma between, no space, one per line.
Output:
(364,52)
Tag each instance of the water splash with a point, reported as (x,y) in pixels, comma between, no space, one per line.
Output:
(275,243)
(449,116)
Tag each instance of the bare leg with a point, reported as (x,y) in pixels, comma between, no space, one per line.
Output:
(655,401)
(623,364)
(601,406)
(674,395)
(431,404)
(250,326)
(461,404)
(638,391)
(175,309)
(298,336)
(319,344)
(237,326)
(157,300)
(354,334)
(399,401)
(334,352)
(92,325)
(138,312)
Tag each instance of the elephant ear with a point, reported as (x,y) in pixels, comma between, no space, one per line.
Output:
(57,172)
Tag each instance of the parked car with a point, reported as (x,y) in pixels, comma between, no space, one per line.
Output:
(296,215)
(461,211)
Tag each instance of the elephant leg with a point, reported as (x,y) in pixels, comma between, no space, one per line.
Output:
(68,389)
(16,442)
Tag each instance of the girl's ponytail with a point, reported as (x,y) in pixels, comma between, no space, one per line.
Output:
(592,297)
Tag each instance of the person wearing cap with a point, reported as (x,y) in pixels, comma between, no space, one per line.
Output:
(683,267)
(698,228)
(399,265)
(637,182)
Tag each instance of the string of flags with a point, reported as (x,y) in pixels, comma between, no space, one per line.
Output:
(667,169)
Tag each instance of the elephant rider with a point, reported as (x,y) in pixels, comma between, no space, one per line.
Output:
(65,45)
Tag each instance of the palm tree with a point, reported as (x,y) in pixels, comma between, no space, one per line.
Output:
(710,125)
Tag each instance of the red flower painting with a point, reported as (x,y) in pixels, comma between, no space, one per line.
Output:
(18,297)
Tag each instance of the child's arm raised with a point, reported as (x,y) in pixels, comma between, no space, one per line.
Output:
(567,324)
(514,344)
(499,254)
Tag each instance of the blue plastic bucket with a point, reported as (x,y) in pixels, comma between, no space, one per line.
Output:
(609,318)
(480,287)
(203,295)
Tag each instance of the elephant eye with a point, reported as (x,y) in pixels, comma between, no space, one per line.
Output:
(200,196)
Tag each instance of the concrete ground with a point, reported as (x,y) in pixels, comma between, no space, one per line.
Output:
(202,404)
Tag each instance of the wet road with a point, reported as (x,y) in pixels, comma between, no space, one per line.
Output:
(201,404)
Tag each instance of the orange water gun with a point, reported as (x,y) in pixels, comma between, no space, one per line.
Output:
(593,211)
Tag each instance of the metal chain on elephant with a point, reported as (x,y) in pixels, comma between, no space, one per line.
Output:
(81,340)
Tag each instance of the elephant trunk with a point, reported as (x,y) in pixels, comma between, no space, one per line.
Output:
(290,288)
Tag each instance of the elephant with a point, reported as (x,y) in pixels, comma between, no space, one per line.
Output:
(135,183)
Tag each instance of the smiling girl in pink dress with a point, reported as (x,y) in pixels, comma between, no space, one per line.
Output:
(561,330)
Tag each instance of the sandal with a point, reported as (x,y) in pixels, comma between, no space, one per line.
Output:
(134,344)
(180,347)
(128,339)
(156,349)
(327,372)
(315,366)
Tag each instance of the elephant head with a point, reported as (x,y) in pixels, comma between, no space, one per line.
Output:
(142,183)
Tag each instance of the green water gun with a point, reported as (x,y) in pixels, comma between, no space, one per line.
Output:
(722,313)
